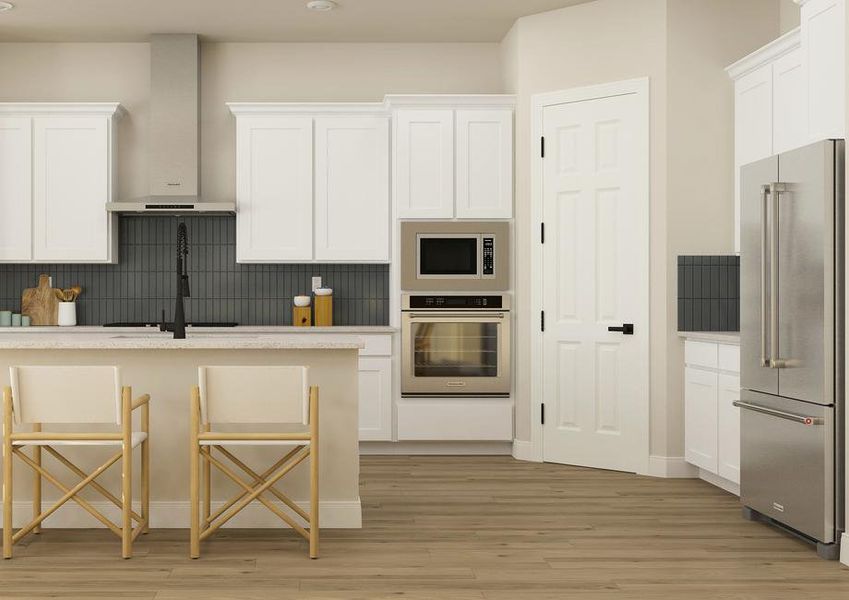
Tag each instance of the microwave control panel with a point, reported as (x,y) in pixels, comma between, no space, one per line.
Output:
(488,249)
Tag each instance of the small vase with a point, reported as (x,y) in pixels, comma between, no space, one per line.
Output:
(67,314)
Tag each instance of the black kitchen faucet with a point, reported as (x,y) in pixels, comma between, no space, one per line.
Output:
(179,326)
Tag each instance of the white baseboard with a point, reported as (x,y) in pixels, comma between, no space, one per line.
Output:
(333,514)
(844,549)
(437,448)
(524,450)
(671,467)
(720,482)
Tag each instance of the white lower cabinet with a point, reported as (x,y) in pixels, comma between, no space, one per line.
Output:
(455,419)
(375,389)
(711,421)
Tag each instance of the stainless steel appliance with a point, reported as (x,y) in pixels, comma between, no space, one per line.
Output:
(455,345)
(454,255)
(792,344)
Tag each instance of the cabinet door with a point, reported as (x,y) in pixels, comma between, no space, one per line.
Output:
(823,42)
(700,393)
(274,204)
(375,397)
(484,164)
(15,189)
(728,417)
(752,128)
(70,189)
(424,164)
(352,189)
(790,102)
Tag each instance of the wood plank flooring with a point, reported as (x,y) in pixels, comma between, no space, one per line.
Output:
(459,528)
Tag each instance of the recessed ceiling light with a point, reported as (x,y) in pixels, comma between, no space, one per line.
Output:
(321,5)
(6,6)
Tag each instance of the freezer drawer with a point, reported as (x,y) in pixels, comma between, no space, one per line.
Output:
(787,462)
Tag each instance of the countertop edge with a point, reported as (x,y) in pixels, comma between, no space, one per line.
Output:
(724,337)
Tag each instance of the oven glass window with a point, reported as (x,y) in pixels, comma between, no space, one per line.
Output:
(455,349)
(448,256)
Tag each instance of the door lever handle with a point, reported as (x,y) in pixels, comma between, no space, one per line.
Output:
(626,329)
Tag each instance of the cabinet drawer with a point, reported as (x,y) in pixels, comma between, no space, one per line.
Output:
(728,357)
(455,419)
(376,345)
(701,354)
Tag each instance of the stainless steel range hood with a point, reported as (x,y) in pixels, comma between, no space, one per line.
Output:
(174,132)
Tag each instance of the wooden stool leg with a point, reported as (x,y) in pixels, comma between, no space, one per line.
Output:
(194,484)
(314,527)
(207,486)
(7,473)
(145,470)
(36,482)
(127,475)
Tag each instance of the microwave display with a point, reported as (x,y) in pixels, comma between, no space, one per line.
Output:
(448,256)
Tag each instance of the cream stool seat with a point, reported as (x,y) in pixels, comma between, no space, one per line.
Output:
(136,438)
(79,395)
(252,395)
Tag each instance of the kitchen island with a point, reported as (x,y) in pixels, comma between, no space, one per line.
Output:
(154,363)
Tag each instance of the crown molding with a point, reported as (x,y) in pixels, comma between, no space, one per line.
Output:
(786,43)
(106,109)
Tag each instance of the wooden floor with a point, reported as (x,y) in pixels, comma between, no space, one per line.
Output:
(459,528)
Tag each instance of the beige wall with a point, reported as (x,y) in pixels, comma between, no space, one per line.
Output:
(683,47)
(703,37)
(789,15)
(592,43)
(229,71)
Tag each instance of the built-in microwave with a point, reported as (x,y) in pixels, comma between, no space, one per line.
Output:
(455,256)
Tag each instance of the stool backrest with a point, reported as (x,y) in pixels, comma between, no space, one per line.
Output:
(270,394)
(48,394)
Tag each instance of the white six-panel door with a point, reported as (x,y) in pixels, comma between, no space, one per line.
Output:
(16,189)
(595,382)
(70,189)
(274,189)
(352,188)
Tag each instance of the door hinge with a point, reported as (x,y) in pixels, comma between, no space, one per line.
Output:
(542,233)
(542,414)
(542,147)
(542,320)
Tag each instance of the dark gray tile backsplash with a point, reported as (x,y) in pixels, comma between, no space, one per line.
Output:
(708,293)
(143,282)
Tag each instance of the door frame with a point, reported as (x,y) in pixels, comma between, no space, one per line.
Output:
(640,88)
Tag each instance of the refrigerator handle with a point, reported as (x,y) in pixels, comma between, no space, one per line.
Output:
(775,191)
(765,193)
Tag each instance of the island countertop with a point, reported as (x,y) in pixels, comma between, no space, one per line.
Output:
(200,339)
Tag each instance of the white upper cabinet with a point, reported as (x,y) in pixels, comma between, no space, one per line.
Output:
(453,156)
(70,189)
(16,189)
(56,171)
(823,27)
(274,175)
(352,188)
(424,163)
(753,111)
(484,164)
(789,102)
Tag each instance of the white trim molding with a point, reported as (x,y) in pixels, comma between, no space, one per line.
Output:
(671,467)
(106,109)
(525,450)
(641,88)
(333,514)
(844,549)
(779,47)
(720,482)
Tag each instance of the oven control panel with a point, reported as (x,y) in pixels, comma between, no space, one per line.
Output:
(455,302)
(488,250)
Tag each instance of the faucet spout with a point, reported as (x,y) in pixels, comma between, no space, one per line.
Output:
(182,282)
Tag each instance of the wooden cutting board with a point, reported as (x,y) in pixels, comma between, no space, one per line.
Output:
(41,303)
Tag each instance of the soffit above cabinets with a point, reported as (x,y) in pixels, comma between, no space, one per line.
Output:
(270,20)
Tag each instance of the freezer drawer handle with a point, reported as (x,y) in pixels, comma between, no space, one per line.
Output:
(802,419)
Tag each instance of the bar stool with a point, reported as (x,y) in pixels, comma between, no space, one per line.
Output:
(79,395)
(248,395)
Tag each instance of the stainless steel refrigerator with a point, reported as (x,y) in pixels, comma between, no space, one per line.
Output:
(792,343)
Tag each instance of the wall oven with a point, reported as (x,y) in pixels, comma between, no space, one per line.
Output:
(449,255)
(455,345)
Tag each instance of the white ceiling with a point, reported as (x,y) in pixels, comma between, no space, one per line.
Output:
(268,20)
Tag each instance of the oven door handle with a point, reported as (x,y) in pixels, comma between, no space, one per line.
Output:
(469,316)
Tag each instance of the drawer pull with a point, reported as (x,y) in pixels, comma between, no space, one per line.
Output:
(802,419)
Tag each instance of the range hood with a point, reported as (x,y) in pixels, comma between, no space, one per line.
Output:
(174,132)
